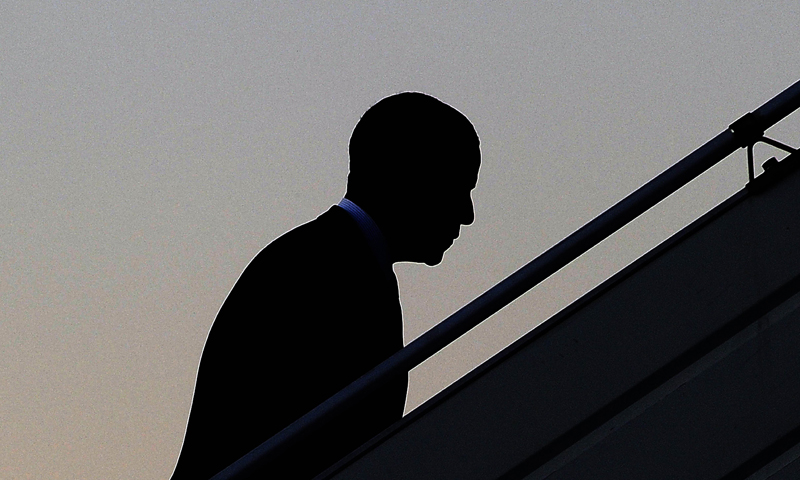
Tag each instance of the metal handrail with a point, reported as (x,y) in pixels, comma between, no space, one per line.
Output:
(741,134)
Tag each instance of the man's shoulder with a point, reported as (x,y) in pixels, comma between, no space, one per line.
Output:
(335,222)
(330,239)
(328,232)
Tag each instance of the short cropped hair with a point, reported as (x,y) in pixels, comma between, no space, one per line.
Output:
(407,136)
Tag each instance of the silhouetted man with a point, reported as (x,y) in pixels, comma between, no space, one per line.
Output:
(319,306)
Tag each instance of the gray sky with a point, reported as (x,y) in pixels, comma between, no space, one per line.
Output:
(149,150)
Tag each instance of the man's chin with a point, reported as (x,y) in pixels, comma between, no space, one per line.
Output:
(432,263)
(433,259)
(431,254)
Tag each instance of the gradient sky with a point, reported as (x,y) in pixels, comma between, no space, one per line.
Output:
(149,150)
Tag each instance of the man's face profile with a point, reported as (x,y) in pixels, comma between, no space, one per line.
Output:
(440,206)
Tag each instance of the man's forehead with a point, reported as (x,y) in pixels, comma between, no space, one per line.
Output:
(463,178)
(452,164)
(472,166)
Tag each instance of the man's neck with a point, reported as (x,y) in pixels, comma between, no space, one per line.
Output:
(371,230)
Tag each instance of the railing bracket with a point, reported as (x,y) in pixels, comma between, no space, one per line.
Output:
(748,131)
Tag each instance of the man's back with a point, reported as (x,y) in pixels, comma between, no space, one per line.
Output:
(310,314)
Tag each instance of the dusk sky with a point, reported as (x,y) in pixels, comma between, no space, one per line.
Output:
(150,149)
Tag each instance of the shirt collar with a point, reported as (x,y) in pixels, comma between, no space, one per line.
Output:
(375,239)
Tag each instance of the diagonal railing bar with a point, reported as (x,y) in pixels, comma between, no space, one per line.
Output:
(743,133)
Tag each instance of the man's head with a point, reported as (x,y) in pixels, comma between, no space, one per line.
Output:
(413,162)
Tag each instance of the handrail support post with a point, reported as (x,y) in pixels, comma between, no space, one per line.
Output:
(748,131)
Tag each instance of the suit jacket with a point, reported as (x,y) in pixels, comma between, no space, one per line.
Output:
(310,314)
